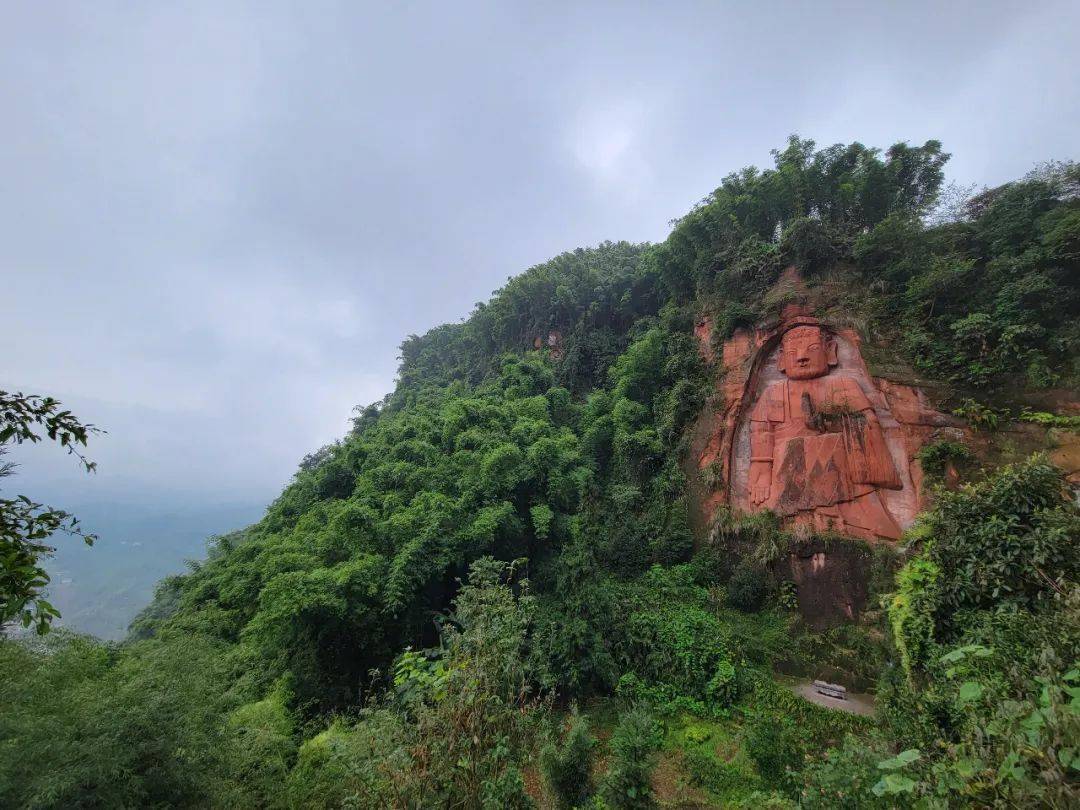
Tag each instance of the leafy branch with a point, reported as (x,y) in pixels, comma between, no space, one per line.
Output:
(25,417)
(25,525)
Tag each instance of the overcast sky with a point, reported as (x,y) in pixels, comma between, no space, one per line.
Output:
(219,220)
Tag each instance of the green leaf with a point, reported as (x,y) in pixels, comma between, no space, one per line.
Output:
(967,768)
(1010,767)
(901,760)
(893,784)
(969,691)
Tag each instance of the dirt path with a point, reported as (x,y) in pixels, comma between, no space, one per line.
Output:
(855,703)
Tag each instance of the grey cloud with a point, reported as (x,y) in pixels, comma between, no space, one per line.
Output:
(220,219)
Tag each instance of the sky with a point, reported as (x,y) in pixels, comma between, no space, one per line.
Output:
(219,220)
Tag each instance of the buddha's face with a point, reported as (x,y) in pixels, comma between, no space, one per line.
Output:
(805,353)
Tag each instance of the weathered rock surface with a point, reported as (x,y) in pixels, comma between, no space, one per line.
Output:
(798,425)
(805,430)
(553,342)
(830,581)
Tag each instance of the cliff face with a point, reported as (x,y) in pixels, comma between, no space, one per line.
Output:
(865,431)
(799,426)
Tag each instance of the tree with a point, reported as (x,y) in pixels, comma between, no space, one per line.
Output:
(567,765)
(628,784)
(25,524)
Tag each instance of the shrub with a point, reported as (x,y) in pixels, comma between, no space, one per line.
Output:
(566,767)
(723,686)
(747,589)
(356,766)
(455,731)
(662,697)
(697,734)
(982,417)
(844,778)
(706,771)
(262,739)
(1050,420)
(774,745)
(983,622)
(759,800)
(1008,539)
(473,729)
(936,457)
(712,476)
(628,784)
(758,537)
(911,612)
(670,639)
(787,596)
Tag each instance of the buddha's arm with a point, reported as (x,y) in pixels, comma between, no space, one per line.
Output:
(761,460)
(877,467)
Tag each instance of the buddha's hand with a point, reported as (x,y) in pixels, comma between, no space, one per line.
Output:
(759,494)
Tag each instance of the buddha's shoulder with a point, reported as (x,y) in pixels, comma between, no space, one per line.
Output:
(846,387)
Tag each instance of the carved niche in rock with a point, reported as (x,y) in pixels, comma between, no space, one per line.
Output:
(818,453)
(810,435)
(802,428)
(805,430)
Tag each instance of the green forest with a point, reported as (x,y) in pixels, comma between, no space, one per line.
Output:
(491,592)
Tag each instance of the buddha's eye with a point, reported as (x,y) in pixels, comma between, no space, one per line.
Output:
(815,346)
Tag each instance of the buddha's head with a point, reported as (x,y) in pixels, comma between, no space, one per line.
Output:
(806,352)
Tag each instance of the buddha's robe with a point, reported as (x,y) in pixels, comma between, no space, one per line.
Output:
(827,453)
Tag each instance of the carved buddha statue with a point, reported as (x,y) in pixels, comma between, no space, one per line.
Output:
(817,450)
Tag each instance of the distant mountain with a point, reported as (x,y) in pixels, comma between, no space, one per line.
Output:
(99,589)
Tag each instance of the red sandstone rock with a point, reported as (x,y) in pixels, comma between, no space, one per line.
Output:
(817,450)
(703,332)
(553,343)
(808,433)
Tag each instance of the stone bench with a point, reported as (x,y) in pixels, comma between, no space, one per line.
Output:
(830,690)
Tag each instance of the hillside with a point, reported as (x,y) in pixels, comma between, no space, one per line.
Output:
(525,578)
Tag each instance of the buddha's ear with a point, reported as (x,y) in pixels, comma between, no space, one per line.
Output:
(780,361)
(830,351)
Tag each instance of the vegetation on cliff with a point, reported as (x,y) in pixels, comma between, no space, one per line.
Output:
(508,535)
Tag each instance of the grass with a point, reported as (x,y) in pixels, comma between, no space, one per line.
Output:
(711,759)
